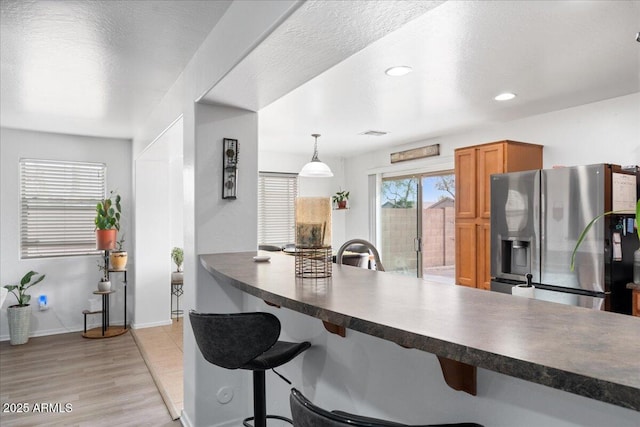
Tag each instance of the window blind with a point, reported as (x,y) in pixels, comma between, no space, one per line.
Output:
(276,208)
(57,207)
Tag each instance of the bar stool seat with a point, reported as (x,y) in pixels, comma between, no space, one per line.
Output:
(281,353)
(245,341)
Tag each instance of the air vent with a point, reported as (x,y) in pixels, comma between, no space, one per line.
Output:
(374,133)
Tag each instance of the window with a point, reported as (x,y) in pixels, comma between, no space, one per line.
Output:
(276,208)
(57,207)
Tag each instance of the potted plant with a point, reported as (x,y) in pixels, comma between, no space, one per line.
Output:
(19,315)
(636,254)
(177,255)
(104,285)
(118,258)
(340,199)
(107,222)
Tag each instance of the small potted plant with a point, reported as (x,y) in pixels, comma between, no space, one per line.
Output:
(118,258)
(104,285)
(19,315)
(107,221)
(340,199)
(177,255)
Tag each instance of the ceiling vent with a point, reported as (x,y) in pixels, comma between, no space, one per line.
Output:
(374,133)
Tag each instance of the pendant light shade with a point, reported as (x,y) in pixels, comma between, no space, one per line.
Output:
(315,168)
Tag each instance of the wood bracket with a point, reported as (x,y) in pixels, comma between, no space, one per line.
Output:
(271,304)
(335,329)
(459,376)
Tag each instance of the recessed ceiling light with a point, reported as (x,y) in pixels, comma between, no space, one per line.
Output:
(400,70)
(505,96)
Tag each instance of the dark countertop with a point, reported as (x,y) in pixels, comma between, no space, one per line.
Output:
(587,352)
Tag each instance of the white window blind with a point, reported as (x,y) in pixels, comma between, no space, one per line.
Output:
(57,203)
(276,208)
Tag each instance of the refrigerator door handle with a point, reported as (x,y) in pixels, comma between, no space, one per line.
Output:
(538,227)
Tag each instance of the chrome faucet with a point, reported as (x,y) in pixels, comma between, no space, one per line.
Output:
(364,243)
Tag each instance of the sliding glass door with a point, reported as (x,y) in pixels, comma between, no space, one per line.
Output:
(399,225)
(417,226)
(438,227)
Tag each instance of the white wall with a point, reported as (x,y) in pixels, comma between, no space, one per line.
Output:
(223,225)
(152,290)
(601,132)
(159,226)
(70,281)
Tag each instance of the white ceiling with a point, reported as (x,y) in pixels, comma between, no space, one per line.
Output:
(95,67)
(552,54)
(100,67)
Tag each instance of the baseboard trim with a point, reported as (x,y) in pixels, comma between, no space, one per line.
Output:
(52,332)
(151,324)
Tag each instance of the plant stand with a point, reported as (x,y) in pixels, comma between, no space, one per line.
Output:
(106,330)
(176,290)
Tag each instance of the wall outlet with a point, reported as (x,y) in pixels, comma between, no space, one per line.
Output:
(43,302)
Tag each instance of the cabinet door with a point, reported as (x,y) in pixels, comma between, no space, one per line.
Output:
(490,161)
(466,253)
(465,160)
(483,238)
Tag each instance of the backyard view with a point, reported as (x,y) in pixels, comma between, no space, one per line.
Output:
(419,207)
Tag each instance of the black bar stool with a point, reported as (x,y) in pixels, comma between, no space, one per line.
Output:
(306,414)
(245,341)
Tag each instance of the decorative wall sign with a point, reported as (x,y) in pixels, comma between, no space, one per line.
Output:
(416,153)
(229,168)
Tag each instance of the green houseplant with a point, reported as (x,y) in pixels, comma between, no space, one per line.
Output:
(340,199)
(104,285)
(177,255)
(118,258)
(19,315)
(636,254)
(107,221)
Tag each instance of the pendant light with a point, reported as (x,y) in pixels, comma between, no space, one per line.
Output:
(315,168)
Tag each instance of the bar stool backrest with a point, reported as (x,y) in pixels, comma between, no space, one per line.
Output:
(232,340)
(306,414)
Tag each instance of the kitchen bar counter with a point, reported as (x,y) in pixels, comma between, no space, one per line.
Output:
(590,353)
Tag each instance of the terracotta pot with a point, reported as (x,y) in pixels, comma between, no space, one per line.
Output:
(106,239)
(342,204)
(118,260)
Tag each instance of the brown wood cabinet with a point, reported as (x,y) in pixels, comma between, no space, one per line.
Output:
(635,305)
(473,168)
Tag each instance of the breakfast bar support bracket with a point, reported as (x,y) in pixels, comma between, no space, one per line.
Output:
(335,329)
(459,376)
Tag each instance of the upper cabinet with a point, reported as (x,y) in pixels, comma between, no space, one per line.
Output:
(473,168)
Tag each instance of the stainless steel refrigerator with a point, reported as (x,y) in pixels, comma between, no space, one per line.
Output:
(536,219)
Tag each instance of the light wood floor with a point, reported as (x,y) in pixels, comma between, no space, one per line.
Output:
(104,382)
(161,348)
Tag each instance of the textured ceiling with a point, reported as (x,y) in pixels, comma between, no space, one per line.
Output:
(100,67)
(95,67)
(554,55)
(319,35)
